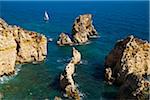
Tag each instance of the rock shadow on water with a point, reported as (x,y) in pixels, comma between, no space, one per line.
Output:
(98,71)
(55,83)
(109,95)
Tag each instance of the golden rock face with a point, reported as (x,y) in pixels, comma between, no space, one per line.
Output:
(82,31)
(129,66)
(19,45)
(83,25)
(64,40)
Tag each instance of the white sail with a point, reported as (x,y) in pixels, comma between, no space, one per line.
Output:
(46,17)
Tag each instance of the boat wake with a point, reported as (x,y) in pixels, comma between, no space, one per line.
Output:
(5,79)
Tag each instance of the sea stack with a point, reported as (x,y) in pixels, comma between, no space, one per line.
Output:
(82,31)
(18,45)
(64,39)
(128,65)
(66,78)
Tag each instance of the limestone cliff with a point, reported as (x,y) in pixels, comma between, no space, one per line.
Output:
(66,79)
(8,50)
(19,46)
(128,64)
(82,31)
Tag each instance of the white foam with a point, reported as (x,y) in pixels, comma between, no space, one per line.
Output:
(94,36)
(63,60)
(74,74)
(84,43)
(82,95)
(84,62)
(5,79)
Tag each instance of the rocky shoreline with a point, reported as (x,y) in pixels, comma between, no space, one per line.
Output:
(82,31)
(18,45)
(127,65)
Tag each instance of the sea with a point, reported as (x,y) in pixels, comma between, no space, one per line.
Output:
(113,20)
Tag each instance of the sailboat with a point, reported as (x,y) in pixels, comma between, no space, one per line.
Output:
(46,17)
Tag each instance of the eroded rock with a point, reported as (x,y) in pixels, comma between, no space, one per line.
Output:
(19,46)
(82,31)
(64,39)
(66,78)
(128,64)
(7,50)
(83,25)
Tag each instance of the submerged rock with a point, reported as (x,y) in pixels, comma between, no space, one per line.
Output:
(19,46)
(128,64)
(66,78)
(82,30)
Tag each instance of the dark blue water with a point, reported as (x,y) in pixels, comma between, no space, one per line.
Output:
(113,21)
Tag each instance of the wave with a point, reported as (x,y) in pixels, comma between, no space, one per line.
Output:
(5,79)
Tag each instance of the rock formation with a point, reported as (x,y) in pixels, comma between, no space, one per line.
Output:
(66,78)
(19,46)
(82,30)
(83,25)
(64,39)
(128,65)
(8,50)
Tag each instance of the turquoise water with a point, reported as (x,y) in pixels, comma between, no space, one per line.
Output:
(113,21)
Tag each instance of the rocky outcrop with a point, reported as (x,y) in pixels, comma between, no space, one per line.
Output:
(19,46)
(128,65)
(8,50)
(83,25)
(66,78)
(135,88)
(82,31)
(31,46)
(64,39)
